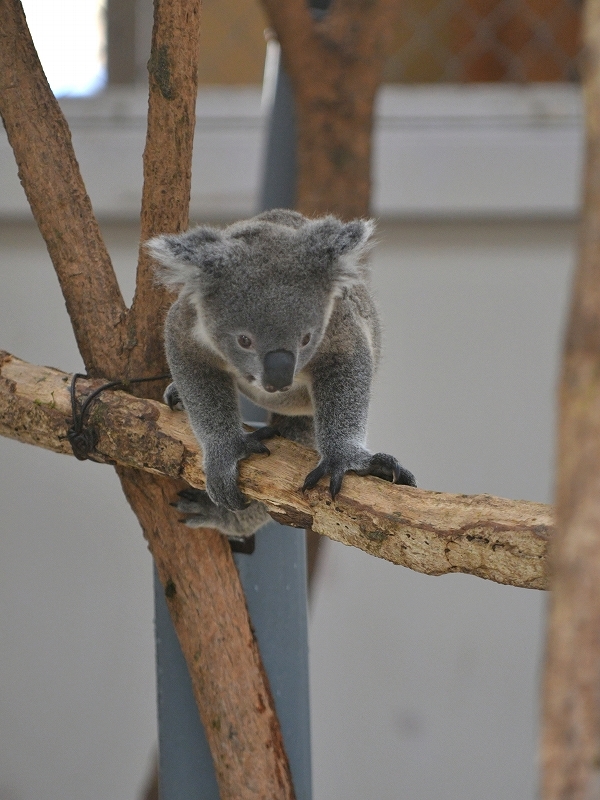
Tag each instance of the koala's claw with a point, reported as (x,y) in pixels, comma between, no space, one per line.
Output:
(224,492)
(315,476)
(381,465)
(259,447)
(193,501)
(326,467)
(254,441)
(171,398)
(387,467)
(266,432)
(204,512)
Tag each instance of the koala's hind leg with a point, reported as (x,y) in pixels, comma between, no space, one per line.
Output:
(200,510)
(298,429)
(203,513)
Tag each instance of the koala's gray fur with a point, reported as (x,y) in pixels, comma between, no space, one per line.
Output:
(278,301)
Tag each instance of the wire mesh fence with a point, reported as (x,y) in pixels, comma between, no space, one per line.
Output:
(434,41)
(486,40)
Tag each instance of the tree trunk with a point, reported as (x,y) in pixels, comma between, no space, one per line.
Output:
(571,701)
(49,172)
(335,64)
(211,620)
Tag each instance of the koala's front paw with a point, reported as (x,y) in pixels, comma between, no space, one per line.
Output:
(220,465)
(363,463)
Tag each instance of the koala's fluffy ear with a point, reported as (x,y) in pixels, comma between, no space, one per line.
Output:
(180,256)
(344,245)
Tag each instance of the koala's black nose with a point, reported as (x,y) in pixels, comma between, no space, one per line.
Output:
(278,371)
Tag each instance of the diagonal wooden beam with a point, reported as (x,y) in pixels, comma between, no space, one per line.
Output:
(208,609)
(49,172)
(501,540)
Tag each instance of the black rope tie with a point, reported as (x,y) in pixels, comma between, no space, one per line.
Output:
(83,437)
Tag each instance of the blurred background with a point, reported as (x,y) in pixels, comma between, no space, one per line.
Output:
(421,687)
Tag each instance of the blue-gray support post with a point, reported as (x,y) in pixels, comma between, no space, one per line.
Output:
(274,581)
(185,764)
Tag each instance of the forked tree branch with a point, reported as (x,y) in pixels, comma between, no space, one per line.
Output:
(501,540)
(240,721)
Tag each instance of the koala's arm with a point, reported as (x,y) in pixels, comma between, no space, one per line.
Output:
(341,385)
(209,397)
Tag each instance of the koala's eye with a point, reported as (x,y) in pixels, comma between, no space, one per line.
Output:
(244,341)
(305,340)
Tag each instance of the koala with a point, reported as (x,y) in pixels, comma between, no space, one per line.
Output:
(278,308)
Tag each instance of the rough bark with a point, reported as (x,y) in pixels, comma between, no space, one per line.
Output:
(173,84)
(501,540)
(209,615)
(335,65)
(571,701)
(49,172)
(117,344)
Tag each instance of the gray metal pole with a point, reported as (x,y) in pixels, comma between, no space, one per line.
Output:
(186,769)
(274,581)
(278,188)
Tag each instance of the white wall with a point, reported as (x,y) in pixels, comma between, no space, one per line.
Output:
(488,150)
(426,688)
(77,685)
(422,688)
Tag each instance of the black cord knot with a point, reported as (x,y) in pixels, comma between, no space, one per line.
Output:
(82,442)
(82,436)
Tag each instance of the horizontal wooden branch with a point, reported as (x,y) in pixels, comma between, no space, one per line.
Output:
(432,532)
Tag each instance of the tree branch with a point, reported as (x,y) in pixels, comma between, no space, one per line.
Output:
(291,21)
(211,620)
(335,66)
(173,82)
(571,704)
(501,540)
(48,169)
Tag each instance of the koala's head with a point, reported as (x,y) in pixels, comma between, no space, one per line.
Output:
(265,287)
